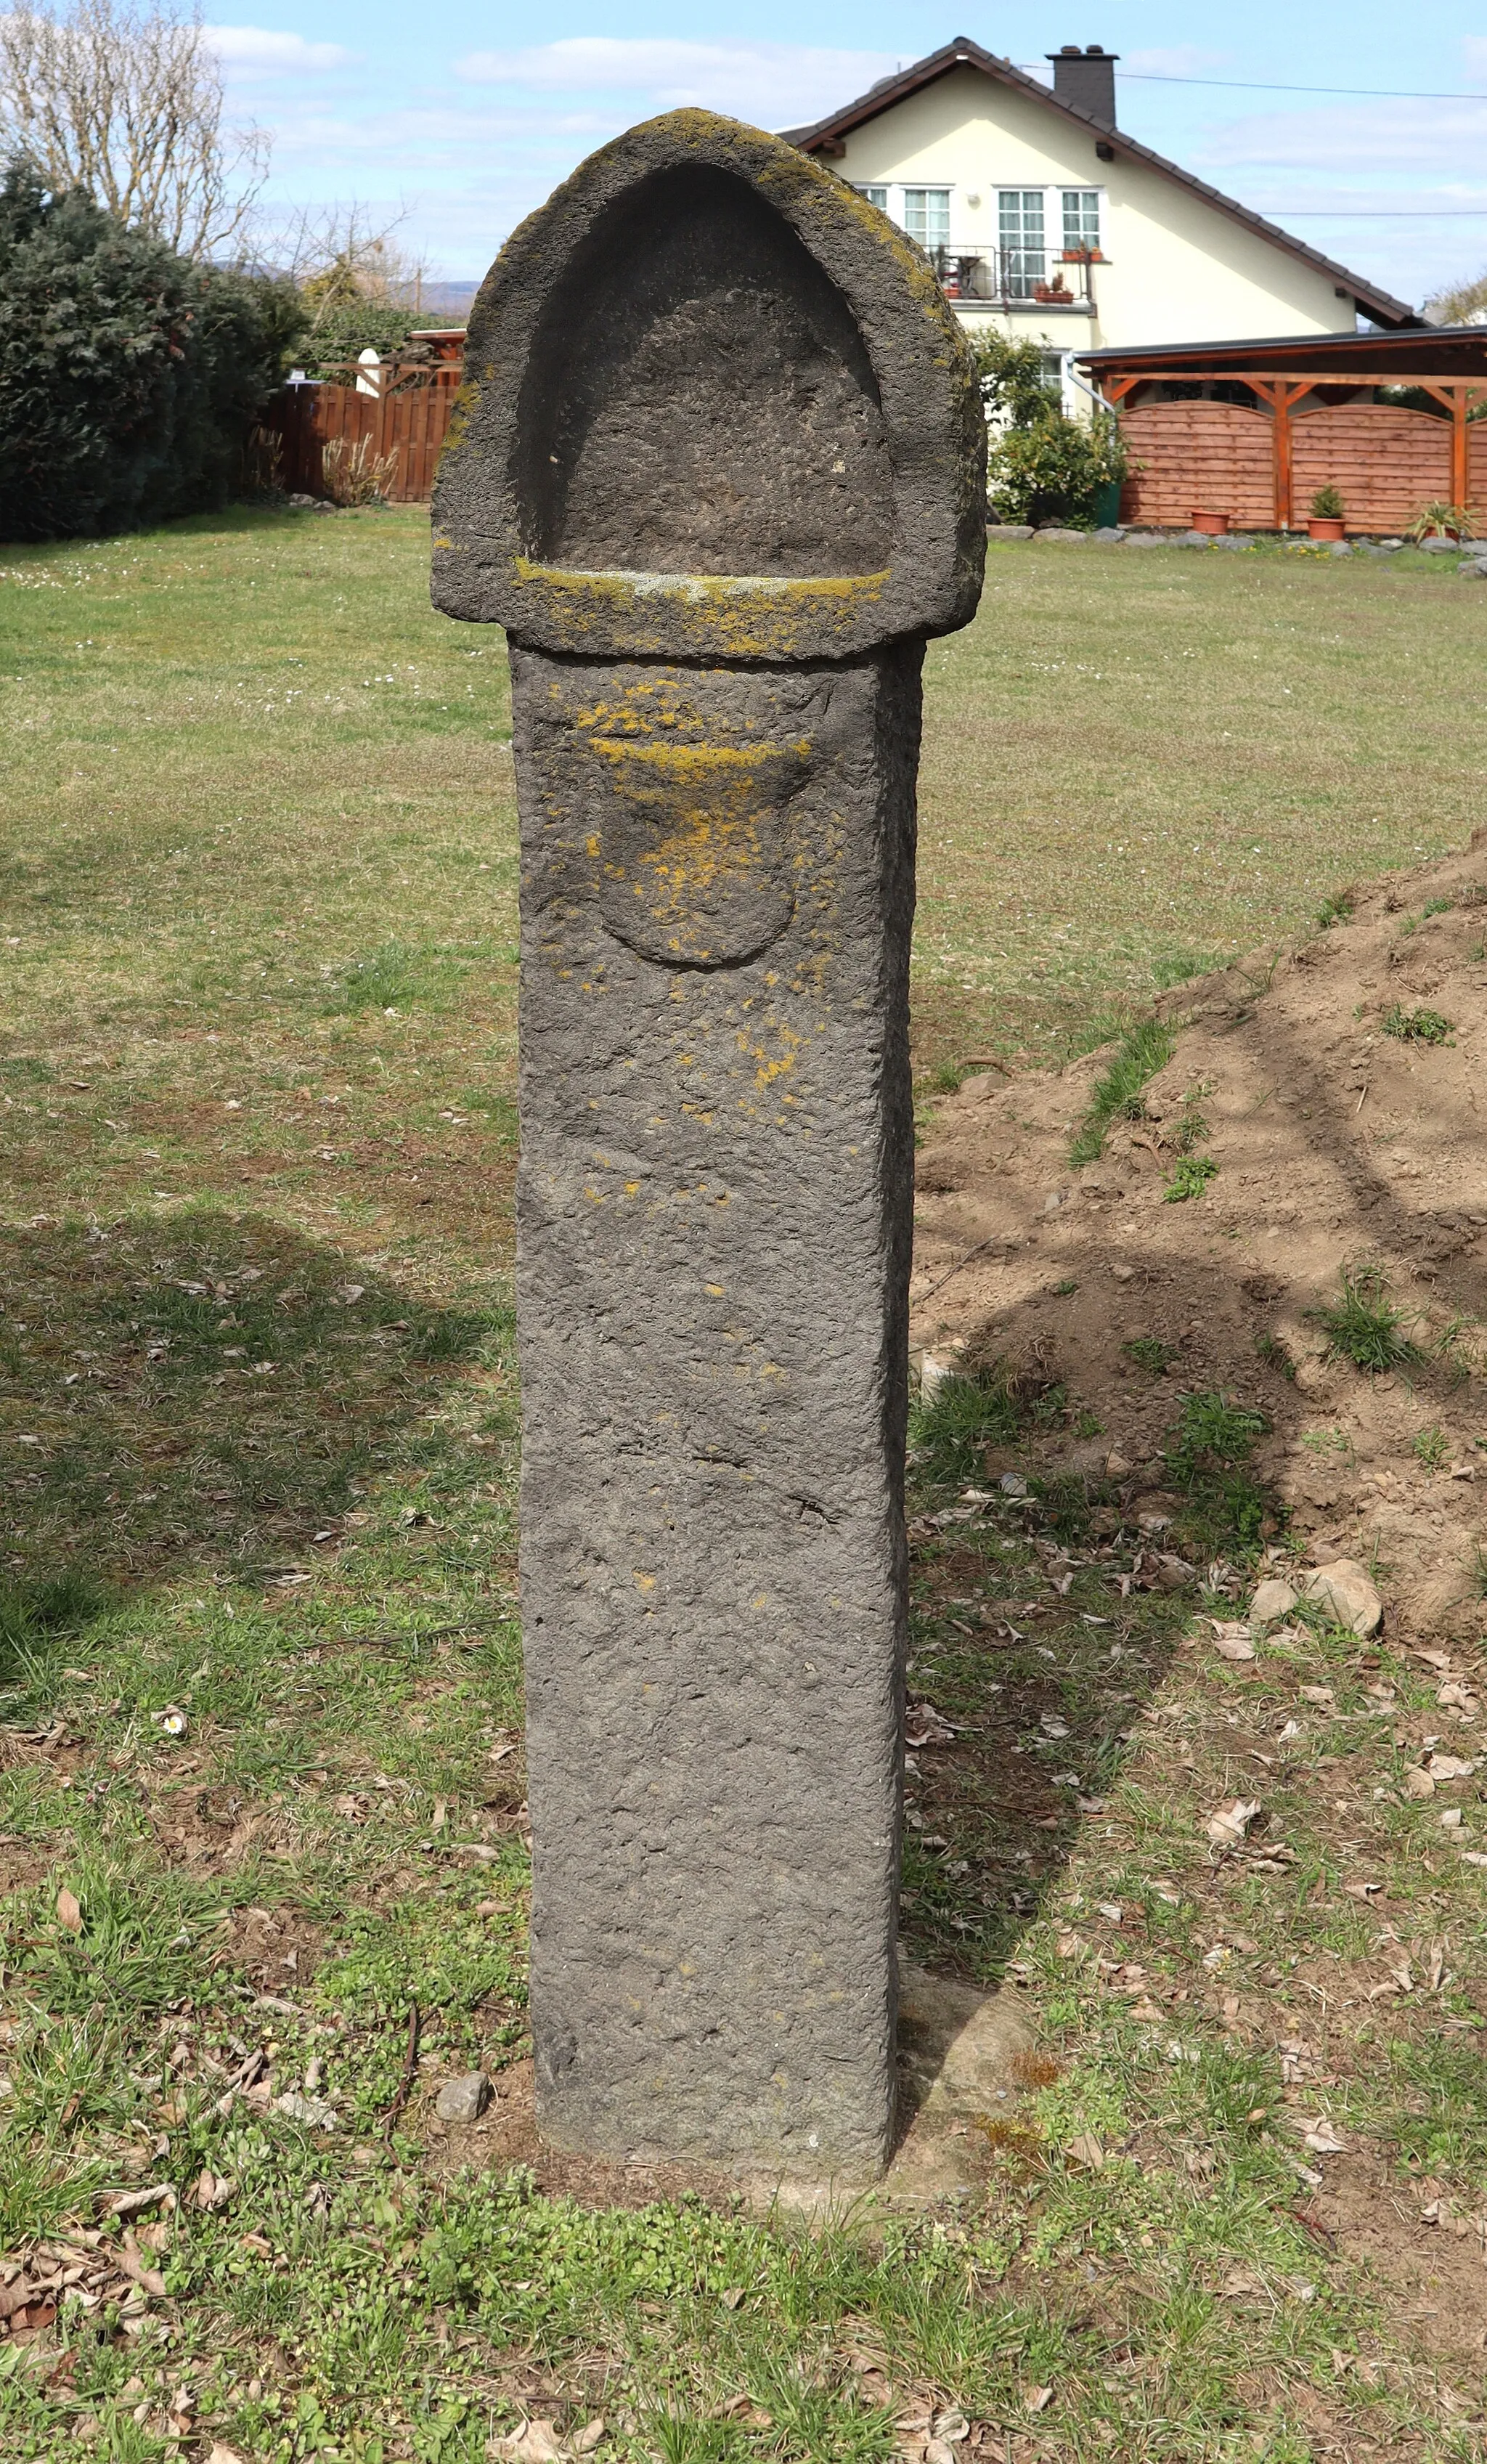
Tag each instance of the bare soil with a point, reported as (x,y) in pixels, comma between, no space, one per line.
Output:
(1337,1145)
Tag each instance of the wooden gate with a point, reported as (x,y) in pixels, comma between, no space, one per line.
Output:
(404,422)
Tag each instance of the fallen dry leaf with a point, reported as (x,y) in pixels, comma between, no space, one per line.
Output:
(1087,2152)
(925,1725)
(1322,2139)
(584,2441)
(1232,1640)
(1037,2399)
(1418,1783)
(68,1912)
(1229,1825)
(133,2266)
(535,2442)
(221,2454)
(1450,1767)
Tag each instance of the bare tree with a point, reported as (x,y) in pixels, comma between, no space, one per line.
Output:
(127,102)
(335,254)
(1460,303)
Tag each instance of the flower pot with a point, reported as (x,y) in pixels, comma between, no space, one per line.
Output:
(1215,525)
(1325,526)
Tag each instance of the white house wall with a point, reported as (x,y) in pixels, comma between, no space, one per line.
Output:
(1178,270)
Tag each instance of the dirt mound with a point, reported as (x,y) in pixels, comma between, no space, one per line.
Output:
(1321,1107)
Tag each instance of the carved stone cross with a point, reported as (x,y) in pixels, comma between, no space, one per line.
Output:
(719,471)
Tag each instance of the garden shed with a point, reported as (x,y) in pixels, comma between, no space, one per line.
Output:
(1394,422)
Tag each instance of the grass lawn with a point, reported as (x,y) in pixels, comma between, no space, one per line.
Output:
(262,1831)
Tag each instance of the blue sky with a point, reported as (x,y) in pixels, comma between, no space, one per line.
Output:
(468,120)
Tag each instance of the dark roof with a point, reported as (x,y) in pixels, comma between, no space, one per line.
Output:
(825,135)
(1418,351)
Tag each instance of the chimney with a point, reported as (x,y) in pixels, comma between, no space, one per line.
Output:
(1086,80)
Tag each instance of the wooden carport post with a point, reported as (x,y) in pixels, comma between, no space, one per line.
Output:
(1283,394)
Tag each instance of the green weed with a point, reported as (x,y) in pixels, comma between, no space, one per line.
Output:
(1363,1326)
(395,976)
(1180,966)
(1208,1458)
(54,1609)
(1337,909)
(1150,1353)
(1145,1048)
(139,1943)
(1432,1448)
(1191,1128)
(1273,1354)
(1191,1176)
(966,1414)
(1416,1025)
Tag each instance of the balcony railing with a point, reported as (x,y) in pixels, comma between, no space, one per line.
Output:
(973,269)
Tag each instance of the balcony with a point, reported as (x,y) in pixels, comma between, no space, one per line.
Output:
(982,273)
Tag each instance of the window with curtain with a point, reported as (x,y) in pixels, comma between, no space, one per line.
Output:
(878,197)
(1081,217)
(926,216)
(1020,237)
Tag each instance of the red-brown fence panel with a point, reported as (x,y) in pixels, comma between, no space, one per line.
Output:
(1191,457)
(407,421)
(1384,461)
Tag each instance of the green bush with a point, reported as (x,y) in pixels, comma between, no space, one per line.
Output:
(1054,471)
(351,327)
(1041,466)
(129,377)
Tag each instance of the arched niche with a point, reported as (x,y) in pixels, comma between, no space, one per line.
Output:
(699,398)
(715,406)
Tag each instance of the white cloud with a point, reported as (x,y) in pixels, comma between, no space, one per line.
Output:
(257,48)
(767,83)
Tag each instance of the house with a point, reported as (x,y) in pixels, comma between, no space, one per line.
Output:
(1046,221)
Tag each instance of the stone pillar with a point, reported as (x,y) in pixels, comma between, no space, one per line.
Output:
(718,471)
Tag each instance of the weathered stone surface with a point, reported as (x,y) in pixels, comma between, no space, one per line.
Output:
(1274,1598)
(1345,1590)
(716,1178)
(718,408)
(464,2098)
(719,473)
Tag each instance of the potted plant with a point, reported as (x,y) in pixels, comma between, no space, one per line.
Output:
(1215,525)
(1442,521)
(1325,521)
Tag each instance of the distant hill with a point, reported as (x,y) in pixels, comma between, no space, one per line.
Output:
(446,300)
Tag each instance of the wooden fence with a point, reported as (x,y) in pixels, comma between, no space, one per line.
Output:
(405,422)
(1262,466)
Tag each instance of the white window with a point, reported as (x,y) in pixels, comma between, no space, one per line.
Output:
(1081,218)
(1020,238)
(926,217)
(878,197)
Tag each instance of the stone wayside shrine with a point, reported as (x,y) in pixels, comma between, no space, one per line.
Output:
(718,471)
